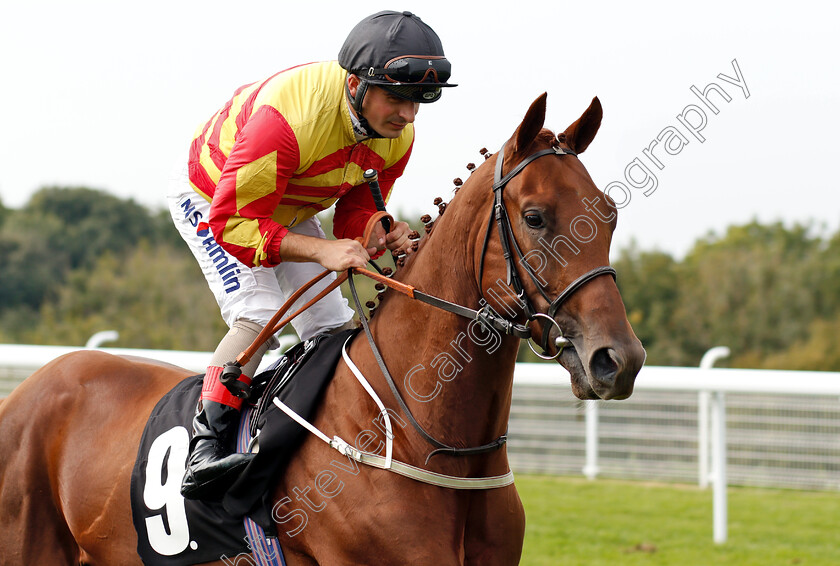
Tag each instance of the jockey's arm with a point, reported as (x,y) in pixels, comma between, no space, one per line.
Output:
(339,255)
(336,255)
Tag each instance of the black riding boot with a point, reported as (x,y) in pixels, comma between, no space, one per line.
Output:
(213,466)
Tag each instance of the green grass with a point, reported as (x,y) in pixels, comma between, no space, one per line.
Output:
(572,521)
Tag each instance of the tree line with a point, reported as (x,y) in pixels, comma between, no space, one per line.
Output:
(76,261)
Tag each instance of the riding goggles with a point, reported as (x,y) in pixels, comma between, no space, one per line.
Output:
(428,70)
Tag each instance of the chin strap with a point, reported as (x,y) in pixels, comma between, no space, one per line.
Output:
(360,124)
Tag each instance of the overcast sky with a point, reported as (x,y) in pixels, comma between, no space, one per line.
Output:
(107,95)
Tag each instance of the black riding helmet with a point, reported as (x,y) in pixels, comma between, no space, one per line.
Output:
(398,52)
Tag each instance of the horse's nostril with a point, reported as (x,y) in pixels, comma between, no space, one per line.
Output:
(603,365)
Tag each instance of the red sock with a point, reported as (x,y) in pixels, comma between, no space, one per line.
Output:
(214,390)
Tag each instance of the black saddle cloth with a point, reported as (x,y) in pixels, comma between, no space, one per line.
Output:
(173,531)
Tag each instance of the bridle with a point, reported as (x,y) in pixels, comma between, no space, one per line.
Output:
(484,315)
(509,245)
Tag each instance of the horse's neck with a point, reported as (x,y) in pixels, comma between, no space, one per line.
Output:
(454,374)
(445,264)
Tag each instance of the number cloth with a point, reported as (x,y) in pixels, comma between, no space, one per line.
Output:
(171,530)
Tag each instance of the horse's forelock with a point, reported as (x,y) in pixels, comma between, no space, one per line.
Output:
(543,137)
(547,136)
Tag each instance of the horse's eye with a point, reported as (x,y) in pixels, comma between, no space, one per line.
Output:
(533,219)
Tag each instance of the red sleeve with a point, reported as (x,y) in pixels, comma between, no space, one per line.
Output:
(354,209)
(252,182)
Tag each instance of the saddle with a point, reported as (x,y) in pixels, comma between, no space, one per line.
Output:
(173,531)
(299,379)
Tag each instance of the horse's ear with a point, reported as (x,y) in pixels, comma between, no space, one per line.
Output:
(531,124)
(580,134)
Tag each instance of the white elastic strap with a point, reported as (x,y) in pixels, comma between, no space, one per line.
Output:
(300,420)
(389,433)
(387,463)
(407,470)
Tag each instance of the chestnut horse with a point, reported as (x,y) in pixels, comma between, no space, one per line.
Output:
(69,434)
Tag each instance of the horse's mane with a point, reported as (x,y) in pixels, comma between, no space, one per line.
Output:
(429,222)
(403,264)
(545,136)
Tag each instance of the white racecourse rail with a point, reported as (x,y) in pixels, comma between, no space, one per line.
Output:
(789,389)
(784,425)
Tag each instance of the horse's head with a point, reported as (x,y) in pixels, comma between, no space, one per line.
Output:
(556,226)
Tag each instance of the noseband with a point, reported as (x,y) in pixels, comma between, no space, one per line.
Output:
(509,245)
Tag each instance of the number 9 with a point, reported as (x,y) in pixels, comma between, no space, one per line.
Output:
(167,496)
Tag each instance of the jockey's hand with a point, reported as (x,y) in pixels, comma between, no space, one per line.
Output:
(396,239)
(340,255)
(335,255)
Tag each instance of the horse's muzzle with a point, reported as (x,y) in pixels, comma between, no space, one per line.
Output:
(612,370)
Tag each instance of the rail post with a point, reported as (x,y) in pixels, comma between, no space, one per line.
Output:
(703,406)
(590,470)
(719,481)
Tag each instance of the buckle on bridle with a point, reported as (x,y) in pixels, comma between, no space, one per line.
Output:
(563,151)
(487,316)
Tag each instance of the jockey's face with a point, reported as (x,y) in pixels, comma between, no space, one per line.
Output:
(386,113)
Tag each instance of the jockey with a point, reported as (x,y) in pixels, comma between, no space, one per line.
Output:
(280,151)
